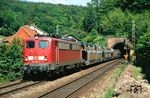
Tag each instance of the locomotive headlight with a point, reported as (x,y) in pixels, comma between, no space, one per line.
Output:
(45,58)
(26,59)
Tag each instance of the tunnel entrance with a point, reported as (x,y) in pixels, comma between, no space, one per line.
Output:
(120,46)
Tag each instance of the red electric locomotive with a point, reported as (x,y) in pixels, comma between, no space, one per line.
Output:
(50,55)
(45,55)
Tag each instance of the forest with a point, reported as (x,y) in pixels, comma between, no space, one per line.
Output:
(93,23)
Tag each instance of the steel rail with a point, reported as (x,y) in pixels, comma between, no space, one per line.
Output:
(48,93)
(91,80)
(2,87)
(13,90)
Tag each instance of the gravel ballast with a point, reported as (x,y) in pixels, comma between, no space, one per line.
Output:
(50,85)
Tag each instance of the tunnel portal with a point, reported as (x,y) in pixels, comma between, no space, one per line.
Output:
(123,44)
(120,46)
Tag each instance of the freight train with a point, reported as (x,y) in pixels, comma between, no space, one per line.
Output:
(51,55)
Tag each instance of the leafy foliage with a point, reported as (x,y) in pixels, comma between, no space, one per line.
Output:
(90,18)
(134,5)
(143,49)
(116,23)
(143,53)
(16,13)
(10,61)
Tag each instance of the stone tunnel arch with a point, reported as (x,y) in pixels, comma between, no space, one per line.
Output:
(120,46)
(118,43)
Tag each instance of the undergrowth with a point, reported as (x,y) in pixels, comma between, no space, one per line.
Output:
(110,91)
(137,73)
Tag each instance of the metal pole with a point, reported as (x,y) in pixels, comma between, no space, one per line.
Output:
(133,33)
(57,29)
(133,41)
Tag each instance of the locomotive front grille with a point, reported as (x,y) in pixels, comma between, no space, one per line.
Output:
(36,67)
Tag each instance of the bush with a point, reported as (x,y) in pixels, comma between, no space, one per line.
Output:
(143,53)
(10,61)
(143,50)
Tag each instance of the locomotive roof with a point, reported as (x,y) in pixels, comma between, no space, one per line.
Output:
(50,38)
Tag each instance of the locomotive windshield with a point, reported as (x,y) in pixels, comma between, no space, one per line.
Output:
(30,44)
(43,44)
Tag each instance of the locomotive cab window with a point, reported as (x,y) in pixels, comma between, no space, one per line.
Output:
(43,44)
(30,44)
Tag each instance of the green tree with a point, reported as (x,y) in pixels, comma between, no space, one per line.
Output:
(16,13)
(116,23)
(143,53)
(143,49)
(11,60)
(89,21)
(134,5)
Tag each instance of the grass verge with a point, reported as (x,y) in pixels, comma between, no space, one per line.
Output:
(110,91)
(137,73)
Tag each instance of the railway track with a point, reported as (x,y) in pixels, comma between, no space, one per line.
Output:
(17,87)
(5,86)
(67,90)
